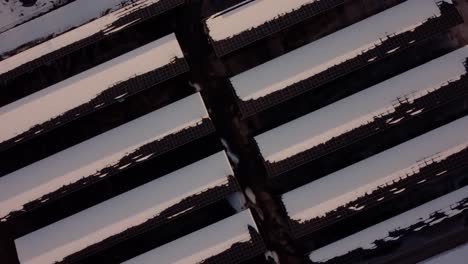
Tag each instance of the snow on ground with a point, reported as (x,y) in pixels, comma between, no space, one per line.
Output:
(359,109)
(202,244)
(331,50)
(245,16)
(326,194)
(65,18)
(88,158)
(13,12)
(74,233)
(49,103)
(366,238)
(458,255)
(237,201)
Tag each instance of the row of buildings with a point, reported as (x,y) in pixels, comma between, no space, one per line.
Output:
(171,131)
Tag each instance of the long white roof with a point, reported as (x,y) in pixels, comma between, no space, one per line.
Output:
(202,244)
(344,186)
(72,234)
(366,239)
(88,158)
(247,16)
(102,24)
(59,98)
(354,111)
(331,50)
(61,20)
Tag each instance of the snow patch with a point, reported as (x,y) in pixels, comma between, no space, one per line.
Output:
(13,12)
(250,194)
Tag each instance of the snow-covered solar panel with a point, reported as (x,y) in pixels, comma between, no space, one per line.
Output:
(435,154)
(104,155)
(155,203)
(69,28)
(252,20)
(419,218)
(454,256)
(15,12)
(363,114)
(340,53)
(229,241)
(90,90)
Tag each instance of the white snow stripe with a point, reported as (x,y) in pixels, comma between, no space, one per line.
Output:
(105,150)
(102,24)
(251,15)
(326,194)
(200,245)
(454,256)
(331,50)
(56,22)
(88,227)
(354,111)
(57,99)
(366,239)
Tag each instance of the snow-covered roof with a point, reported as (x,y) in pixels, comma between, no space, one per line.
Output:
(14,12)
(105,25)
(252,20)
(72,234)
(456,255)
(56,100)
(62,19)
(249,14)
(331,50)
(366,238)
(88,159)
(203,244)
(326,194)
(359,109)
